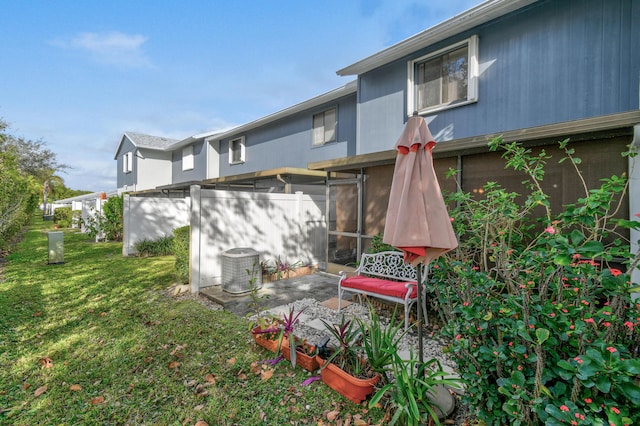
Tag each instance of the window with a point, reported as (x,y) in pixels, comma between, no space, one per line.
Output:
(324,127)
(445,78)
(127,162)
(236,151)
(187,158)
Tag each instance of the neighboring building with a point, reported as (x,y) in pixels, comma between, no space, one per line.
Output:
(143,162)
(271,153)
(533,71)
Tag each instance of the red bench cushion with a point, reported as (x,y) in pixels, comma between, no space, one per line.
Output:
(379,286)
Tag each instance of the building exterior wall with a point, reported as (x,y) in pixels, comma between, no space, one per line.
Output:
(288,142)
(550,62)
(126,179)
(153,169)
(199,171)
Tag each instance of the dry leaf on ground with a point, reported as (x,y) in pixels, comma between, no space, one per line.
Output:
(97,400)
(45,362)
(40,391)
(332,415)
(75,388)
(174,364)
(210,378)
(266,374)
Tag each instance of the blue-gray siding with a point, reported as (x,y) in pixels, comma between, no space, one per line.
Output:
(199,171)
(554,61)
(126,178)
(288,142)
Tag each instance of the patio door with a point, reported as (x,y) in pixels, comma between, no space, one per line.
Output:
(344,222)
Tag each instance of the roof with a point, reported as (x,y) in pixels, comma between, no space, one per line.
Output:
(478,15)
(266,178)
(332,95)
(140,140)
(151,142)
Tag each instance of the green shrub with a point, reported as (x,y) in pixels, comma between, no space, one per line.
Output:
(541,318)
(62,217)
(162,246)
(108,225)
(181,240)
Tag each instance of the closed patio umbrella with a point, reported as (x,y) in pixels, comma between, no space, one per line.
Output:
(417,219)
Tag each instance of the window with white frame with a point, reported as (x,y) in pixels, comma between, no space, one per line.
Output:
(127,162)
(324,127)
(446,78)
(187,158)
(236,151)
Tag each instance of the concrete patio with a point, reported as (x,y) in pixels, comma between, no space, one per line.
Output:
(320,286)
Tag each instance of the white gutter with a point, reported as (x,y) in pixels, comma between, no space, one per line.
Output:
(478,15)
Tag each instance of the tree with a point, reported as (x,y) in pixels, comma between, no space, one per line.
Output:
(34,159)
(27,169)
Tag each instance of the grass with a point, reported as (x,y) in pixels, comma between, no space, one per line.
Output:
(97,340)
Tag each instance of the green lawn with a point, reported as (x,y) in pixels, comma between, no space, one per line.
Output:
(96,340)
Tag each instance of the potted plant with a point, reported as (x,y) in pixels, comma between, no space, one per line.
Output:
(380,343)
(343,367)
(305,353)
(267,333)
(278,333)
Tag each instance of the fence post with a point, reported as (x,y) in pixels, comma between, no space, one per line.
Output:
(126,230)
(194,239)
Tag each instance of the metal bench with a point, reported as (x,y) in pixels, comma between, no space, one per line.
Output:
(384,275)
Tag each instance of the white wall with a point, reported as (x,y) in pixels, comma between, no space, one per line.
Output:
(289,225)
(151,218)
(154,169)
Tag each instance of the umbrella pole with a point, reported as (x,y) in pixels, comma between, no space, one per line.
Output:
(419,309)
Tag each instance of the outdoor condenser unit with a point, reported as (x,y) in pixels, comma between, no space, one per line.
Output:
(56,247)
(239,267)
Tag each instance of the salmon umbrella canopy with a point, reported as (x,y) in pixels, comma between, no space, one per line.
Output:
(417,219)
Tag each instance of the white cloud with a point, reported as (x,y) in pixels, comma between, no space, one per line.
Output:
(114,48)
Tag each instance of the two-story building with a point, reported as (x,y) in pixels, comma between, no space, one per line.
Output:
(143,162)
(536,72)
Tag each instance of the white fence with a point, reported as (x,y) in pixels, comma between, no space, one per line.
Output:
(149,218)
(291,226)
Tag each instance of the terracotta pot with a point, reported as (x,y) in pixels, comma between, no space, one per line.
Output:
(268,344)
(345,384)
(305,361)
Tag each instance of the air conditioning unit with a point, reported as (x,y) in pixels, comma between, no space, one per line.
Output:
(241,270)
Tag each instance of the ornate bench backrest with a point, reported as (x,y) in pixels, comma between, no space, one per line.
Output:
(387,264)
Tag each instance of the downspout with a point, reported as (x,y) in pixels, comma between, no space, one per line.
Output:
(634,203)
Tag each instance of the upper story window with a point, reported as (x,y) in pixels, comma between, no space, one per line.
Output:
(236,151)
(446,78)
(187,158)
(324,127)
(127,162)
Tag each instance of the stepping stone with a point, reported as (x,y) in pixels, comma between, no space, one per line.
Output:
(333,303)
(317,324)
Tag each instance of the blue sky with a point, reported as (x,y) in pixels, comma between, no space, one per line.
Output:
(78,73)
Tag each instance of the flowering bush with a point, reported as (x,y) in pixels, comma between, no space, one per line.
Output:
(538,307)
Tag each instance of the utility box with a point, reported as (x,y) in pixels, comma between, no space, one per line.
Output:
(241,270)
(56,247)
